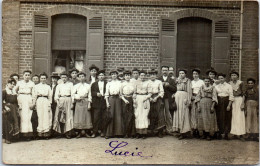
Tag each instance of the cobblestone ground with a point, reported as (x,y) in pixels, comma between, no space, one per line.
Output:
(167,150)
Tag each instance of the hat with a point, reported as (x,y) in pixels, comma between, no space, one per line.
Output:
(113,71)
(184,70)
(74,69)
(196,69)
(64,73)
(135,69)
(211,70)
(234,72)
(81,73)
(101,71)
(143,71)
(153,71)
(55,75)
(93,67)
(121,69)
(127,72)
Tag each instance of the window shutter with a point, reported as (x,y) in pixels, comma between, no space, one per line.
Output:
(41,44)
(95,41)
(168,36)
(221,41)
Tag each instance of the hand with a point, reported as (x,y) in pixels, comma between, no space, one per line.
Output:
(31,107)
(228,108)
(173,96)
(7,109)
(126,101)
(242,107)
(89,106)
(154,99)
(108,105)
(185,101)
(212,110)
(167,84)
(99,95)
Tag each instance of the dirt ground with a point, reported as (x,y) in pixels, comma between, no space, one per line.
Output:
(167,150)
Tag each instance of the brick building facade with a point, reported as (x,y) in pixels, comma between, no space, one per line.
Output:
(132,33)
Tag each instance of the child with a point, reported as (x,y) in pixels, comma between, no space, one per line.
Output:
(252,110)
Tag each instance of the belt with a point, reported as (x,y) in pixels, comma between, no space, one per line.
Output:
(113,95)
(223,96)
(25,93)
(42,96)
(128,95)
(207,97)
(66,96)
(142,93)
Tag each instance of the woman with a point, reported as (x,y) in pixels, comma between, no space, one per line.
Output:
(42,95)
(113,101)
(225,99)
(181,117)
(10,112)
(24,90)
(207,120)
(142,105)
(196,84)
(252,110)
(82,117)
(238,124)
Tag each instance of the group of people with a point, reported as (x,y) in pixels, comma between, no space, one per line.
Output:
(130,104)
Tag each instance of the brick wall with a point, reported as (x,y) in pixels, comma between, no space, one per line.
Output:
(250,41)
(133,20)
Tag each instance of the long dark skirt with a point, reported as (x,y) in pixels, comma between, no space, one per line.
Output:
(129,117)
(10,123)
(97,116)
(115,127)
(223,116)
(156,115)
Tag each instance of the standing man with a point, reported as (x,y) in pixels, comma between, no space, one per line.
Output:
(98,106)
(169,87)
(73,76)
(63,120)
(24,90)
(93,74)
(54,82)
(171,73)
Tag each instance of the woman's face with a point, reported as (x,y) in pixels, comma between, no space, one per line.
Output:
(234,77)
(135,74)
(250,84)
(11,85)
(153,76)
(74,74)
(212,75)
(93,72)
(182,74)
(114,76)
(27,76)
(221,79)
(142,75)
(195,75)
(127,77)
(43,79)
(207,81)
(82,78)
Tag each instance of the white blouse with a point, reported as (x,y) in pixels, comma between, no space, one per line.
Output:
(82,90)
(42,90)
(195,85)
(113,88)
(25,87)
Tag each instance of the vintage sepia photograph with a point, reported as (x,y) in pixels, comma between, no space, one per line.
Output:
(130,82)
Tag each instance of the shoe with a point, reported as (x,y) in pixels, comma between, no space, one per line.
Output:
(78,136)
(106,137)
(68,137)
(93,135)
(144,137)
(181,137)
(208,138)
(126,136)
(102,135)
(226,137)
(88,136)
(7,141)
(132,137)
(242,139)
(160,135)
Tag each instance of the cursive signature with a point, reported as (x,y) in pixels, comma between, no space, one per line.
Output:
(115,145)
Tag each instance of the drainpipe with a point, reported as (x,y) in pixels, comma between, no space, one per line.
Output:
(241,37)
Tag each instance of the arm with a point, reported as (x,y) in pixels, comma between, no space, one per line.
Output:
(57,93)
(161,90)
(49,94)
(189,90)
(231,97)
(34,95)
(107,95)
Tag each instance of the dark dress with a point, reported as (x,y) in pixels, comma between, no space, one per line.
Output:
(10,121)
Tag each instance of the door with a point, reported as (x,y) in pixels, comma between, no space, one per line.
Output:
(194,44)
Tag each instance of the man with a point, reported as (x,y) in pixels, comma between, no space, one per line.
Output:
(63,120)
(93,73)
(120,76)
(73,76)
(34,119)
(54,82)
(24,90)
(98,106)
(170,88)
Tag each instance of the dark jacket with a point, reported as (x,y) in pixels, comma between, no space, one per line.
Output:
(170,90)
(98,102)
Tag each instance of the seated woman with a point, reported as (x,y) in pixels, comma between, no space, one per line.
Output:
(10,112)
